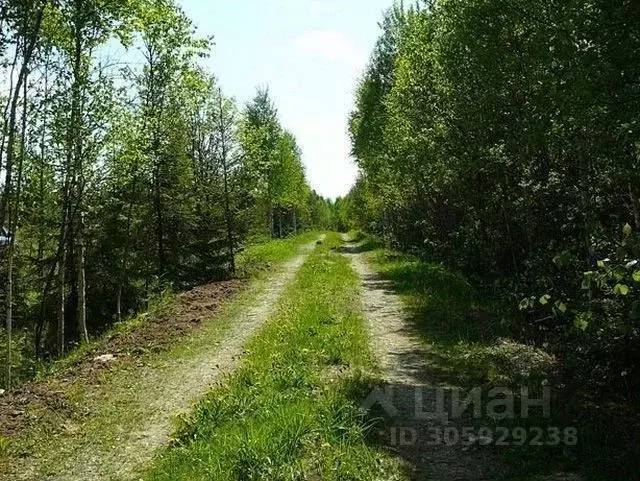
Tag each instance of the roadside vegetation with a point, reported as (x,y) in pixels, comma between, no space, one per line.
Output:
(260,258)
(263,253)
(84,404)
(471,343)
(291,411)
(124,180)
(501,140)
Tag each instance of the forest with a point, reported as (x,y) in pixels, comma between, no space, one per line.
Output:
(179,303)
(125,171)
(501,138)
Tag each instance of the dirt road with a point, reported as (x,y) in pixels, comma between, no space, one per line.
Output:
(161,394)
(402,357)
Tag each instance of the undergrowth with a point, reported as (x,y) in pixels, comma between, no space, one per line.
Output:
(470,345)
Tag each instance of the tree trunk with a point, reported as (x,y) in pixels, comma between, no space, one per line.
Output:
(225,178)
(62,265)
(159,223)
(82,300)
(30,44)
(9,313)
(41,324)
(13,226)
(119,303)
(5,116)
(76,145)
(229,221)
(295,223)
(61,317)
(125,254)
(635,204)
(271,226)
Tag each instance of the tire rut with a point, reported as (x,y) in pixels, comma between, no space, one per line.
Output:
(403,359)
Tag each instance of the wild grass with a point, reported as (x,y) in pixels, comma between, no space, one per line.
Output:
(262,255)
(291,410)
(468,345)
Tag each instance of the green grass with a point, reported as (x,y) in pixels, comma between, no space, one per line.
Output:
(261,256)
(468,345)
(100,415)
(291,410)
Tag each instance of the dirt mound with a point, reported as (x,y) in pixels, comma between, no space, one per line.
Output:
(155,334)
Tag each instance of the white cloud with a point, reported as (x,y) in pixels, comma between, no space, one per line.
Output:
(330,45)
(323,7)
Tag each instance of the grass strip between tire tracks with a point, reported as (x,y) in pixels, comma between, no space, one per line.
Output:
(291,411)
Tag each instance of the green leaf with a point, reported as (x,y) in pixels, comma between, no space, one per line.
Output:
(636,276)
(601,264)
(544,300)
(561,306)
(562,259)
(581,321)
(621,289)
(627,230)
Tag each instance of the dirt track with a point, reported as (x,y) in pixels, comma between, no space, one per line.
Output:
(166,392)
(402,357)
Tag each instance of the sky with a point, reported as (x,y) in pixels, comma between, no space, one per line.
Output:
(310,54)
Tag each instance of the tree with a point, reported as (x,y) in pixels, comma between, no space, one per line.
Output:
(259,135)
(228,158)
(118,182)
(501,138)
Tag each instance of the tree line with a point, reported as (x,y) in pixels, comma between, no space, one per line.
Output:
(502,137)
(120,178)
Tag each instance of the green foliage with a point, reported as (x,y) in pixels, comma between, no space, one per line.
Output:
(23,362)
(494,138)
(133,179)
(469,345)
(274,167)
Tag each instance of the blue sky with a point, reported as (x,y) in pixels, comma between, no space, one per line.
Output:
(310,53)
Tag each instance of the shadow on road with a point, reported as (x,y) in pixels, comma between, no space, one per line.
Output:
(442,343)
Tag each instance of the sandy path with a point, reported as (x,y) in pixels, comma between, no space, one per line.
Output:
(399,350)
(402,357)
(175,389)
